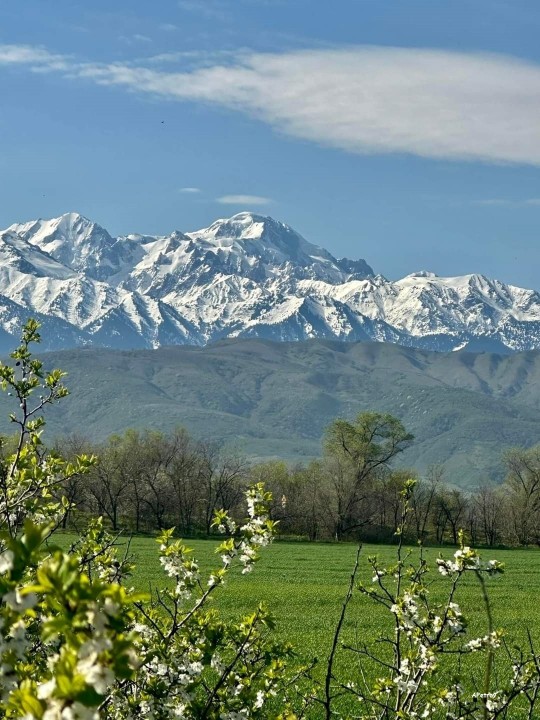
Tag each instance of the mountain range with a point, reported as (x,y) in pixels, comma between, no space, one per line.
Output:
(274,399)
(245,276)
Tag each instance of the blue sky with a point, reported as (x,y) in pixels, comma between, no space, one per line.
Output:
(406,132)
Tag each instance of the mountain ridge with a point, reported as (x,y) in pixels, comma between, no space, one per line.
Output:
(274,399)
(244,276)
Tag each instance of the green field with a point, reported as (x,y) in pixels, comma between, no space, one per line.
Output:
(304,584)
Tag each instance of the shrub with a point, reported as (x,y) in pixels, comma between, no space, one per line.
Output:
(75,643)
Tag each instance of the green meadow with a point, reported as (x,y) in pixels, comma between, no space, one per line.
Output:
(304,584)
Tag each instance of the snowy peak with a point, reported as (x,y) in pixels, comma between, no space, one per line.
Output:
(421,274)
(70,229)
(475,292)
(262,247)
(74,241)
(248,275)
(257,235)
(243,225)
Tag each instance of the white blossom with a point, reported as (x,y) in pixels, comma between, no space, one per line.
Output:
(16,601)
(6,561)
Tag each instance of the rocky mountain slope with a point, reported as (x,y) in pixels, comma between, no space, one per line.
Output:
(246,276)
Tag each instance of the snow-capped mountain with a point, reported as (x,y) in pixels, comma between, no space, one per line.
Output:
(244,276)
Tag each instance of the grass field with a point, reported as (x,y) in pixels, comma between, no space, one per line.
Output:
(304,584)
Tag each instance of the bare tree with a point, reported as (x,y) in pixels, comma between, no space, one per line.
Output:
(423,498)
(452,507)
(222,478)
(523,487)
(109,481)
(74,488)
(489,508)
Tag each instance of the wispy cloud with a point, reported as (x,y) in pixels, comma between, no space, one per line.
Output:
(244,200)
(31,55)
(136,38)
(169,57)
(430,103)
(220,8)
(190,190)
(194,59)
(507,202)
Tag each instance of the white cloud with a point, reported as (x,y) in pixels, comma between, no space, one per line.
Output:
(192,58)
(243,200)
(430,103)
(372,100)
(190,190)
(34,56)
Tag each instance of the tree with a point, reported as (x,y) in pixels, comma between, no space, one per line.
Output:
(30,478)
(452,507)
(388,501)
(489,508)
(370,442)
(423,499)
(183,473)
(74,488)
(523,486)
(298,493)
(222,480)
(110,480)
(360,451)
(425,644)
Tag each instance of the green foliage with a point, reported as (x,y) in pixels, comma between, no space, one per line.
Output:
(75,643)
(29,476)
(368,443)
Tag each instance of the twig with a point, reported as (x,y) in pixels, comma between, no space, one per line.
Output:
(329,674)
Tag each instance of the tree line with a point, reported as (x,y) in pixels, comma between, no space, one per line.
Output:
(146,481)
